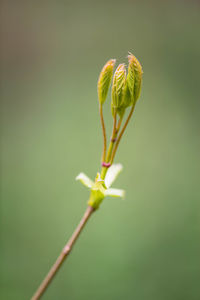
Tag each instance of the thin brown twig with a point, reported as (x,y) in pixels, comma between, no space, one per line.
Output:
(104,133)
(121,134)
(63,255)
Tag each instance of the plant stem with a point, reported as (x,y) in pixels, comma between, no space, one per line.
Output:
(104,133)
(63,255)
(119,125)
(112,141)
(121,134)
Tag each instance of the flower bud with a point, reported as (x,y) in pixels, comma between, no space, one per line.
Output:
(118,88)
(134,78)
(105,80)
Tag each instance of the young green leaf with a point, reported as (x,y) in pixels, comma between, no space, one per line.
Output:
(104,81)
(134,78)
(118,88)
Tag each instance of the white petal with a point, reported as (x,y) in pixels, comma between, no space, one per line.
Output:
(85,180)
(115,193)
(112,174)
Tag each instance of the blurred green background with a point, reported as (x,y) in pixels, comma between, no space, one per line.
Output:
(148,246)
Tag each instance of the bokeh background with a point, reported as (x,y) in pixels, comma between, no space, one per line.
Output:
(147,246)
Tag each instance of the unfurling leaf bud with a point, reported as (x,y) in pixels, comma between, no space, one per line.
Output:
(118,88)
(134,78)
(105,80)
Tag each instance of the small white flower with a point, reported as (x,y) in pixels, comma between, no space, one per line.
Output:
(101,188)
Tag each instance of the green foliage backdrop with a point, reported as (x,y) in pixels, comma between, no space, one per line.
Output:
(147,246)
